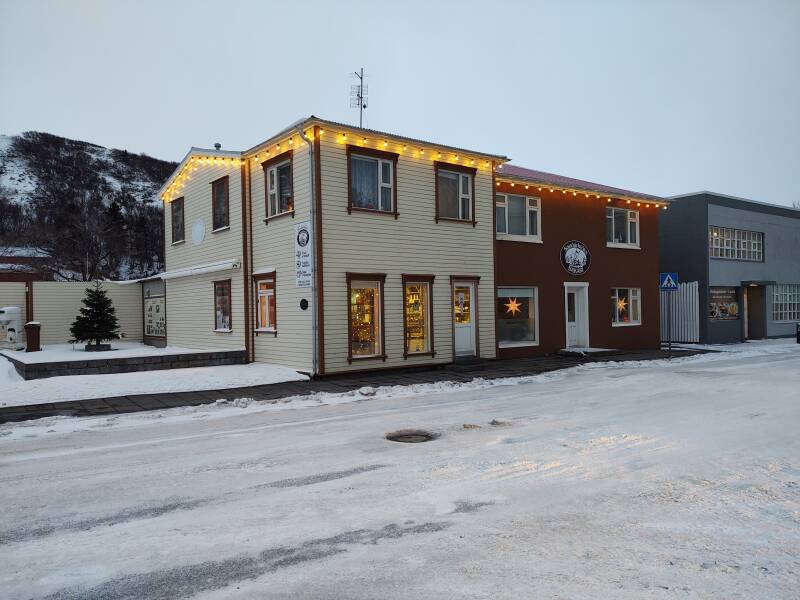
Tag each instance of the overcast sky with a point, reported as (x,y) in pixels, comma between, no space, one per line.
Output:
(661,97)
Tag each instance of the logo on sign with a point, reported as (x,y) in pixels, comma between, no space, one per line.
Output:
(668,281)
(303,237)
(575,257)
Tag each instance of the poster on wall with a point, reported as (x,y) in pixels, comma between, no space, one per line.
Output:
(723,303)
(155,317)
(302,254)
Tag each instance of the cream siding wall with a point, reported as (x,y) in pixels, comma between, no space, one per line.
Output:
(190,300)
(273,247)
(190,312)
(412,244)
(12,293)
(56,304)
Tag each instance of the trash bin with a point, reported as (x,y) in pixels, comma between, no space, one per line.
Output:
(32,331)
(798,332)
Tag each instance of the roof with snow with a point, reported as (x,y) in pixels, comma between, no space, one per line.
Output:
(544,178)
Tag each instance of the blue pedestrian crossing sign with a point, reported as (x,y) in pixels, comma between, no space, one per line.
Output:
(668,281)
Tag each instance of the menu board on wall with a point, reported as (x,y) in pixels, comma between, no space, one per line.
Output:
(302,254)
(723,303)
(155,317)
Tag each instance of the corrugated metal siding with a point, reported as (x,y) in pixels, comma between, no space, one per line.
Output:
(685,306)
(190,312)
(412,244)
(273,247)
(56,304)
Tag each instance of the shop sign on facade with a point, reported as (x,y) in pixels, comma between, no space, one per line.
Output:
(723,303)
(303,246)
(575,257)
(155,316)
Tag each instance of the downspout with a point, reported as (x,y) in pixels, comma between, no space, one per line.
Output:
(312,222)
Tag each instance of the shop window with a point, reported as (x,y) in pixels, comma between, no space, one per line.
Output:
(219,204)
(622,227)
(735,244)
(365,316)
(786,302)
(418,320)
(222,306)
(455,200)
(176,210)
(517,217)
(517,317)
(265,303)
(626,306)
(278,185)
(372,175)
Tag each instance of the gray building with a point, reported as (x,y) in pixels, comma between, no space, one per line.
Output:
(745,256)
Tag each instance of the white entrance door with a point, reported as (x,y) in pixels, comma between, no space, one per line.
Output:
(576,305)
(464,318)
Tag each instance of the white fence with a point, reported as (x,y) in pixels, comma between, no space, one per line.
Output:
(685,306)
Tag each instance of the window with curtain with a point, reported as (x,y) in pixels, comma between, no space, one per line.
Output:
(455,195)
(518,216)
(219,203)
(371,183)
(279,189)
(625,306)
(265,304)
(222,305)
(176,210)
(622,226)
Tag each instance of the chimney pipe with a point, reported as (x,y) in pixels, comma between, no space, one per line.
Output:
(217,145)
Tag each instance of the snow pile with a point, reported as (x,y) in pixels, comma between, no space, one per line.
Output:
(71,352)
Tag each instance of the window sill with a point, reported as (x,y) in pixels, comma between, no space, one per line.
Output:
(407,355)
(373,211)
(278,216)
(508,237)
(271,330)
(179,242)
(223,330)
(452,220)
(626,324)
(353,359)
(218,229)
(623,246)
(517,344)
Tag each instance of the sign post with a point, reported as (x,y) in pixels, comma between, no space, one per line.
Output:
(668,282)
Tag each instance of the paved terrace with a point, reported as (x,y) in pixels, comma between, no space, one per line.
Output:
(335,383)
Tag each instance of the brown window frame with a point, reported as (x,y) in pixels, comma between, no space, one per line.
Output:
(411,279)
(371,153)
(183,219)
(265,166)
(256,279)
(444,166)
(381,279)
(227,282)
(214,227)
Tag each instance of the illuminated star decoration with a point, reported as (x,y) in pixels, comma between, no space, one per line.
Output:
(622,304)
(513,306)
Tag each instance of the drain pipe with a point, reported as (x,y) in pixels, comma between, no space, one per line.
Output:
(313,221)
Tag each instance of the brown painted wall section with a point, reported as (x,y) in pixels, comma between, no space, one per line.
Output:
(566,217)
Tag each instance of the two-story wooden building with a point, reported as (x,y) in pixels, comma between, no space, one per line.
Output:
(331,248)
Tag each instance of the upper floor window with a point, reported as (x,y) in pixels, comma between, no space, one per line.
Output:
(278,185)
(735,244)
(517,217)
(176,210)
(622,227)
(455,198)
(220,203)
(372,175)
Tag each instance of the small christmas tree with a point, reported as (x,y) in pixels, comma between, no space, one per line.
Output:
(97,320)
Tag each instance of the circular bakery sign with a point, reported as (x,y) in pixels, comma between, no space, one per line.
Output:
(303,237)
(575,257)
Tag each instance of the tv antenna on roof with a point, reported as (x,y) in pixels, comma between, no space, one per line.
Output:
(359,94)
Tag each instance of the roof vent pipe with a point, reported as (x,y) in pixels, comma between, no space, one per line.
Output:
(217,145)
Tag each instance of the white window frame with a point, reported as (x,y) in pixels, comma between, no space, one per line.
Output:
(633,294)
(632,216)
(786,303)
(532,204)
(535,297)
(382,185)
(273,188)
(464,199)
(265,294)
(728,243)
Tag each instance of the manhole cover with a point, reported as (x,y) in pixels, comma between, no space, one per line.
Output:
(411,436)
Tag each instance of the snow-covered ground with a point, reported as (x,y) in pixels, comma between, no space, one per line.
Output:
(15,391)
(70,352)
(657,480)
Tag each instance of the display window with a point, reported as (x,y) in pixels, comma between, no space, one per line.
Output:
(222,306)
(418,320)
(365,316)
(517,317)
(626,306)
(723,303)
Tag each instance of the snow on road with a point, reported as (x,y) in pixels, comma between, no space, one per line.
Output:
(649,480)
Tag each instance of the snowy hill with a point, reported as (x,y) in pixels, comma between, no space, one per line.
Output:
(92,209)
